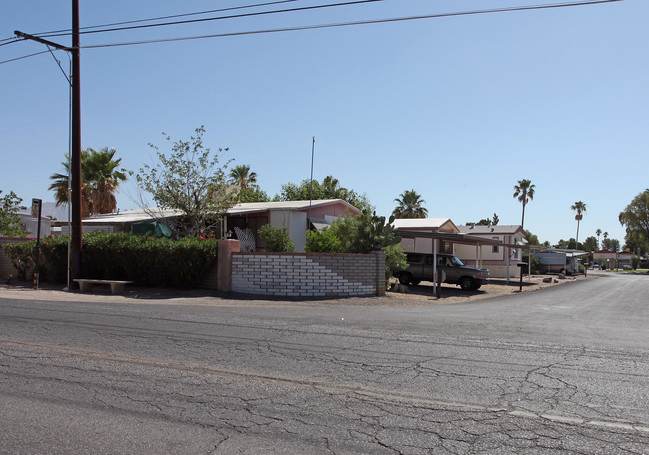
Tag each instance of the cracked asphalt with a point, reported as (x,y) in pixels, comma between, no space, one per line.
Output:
(564,370)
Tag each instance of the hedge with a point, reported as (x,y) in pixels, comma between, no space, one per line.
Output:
(145,259)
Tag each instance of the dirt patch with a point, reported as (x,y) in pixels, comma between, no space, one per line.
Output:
(422,294)
(450,294)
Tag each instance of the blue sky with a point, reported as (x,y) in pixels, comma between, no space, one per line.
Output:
(457,108)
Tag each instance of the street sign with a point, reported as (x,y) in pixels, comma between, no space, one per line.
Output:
(36,207)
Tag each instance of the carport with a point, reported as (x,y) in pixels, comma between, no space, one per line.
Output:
(438,237)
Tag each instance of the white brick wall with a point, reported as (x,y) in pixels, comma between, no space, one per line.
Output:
(307,275)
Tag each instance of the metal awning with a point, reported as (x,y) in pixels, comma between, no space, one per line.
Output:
(450,237)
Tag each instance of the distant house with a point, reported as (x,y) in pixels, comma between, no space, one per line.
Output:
(425,225)
(624,260)
(29,225)
(605,258)
(296,216)
(501,260)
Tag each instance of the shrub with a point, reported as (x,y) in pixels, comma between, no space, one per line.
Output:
(276,240)
(395,260)
(363,233)
(323,241)
(146,260)
(22,256)
(537,265)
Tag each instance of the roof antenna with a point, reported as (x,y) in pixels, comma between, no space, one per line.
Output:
(311,183)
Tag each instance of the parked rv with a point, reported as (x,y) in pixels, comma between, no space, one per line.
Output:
(564,262)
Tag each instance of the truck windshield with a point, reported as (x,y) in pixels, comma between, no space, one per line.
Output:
(454,261)
(449,261)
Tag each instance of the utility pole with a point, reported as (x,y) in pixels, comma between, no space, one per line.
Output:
(75,164)
(76,144)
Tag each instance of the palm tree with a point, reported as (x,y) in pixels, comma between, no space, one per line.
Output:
(580,208)
(410,205)
(100,179)
(242,177)
(598,232)
(524,191)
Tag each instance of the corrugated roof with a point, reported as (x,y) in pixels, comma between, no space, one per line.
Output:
(420,223)
(132,216)
(495,229)
(140,215)
(251,207)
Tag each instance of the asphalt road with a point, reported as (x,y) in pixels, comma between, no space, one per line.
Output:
(564,370)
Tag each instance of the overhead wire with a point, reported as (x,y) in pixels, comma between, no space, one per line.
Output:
(208,19)
(173,16)
(356,23)
(344,24)
(197,13)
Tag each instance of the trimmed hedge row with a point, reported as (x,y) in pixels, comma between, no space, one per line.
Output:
(145,259)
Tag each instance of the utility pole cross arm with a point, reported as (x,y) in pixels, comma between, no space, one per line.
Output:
(22,35)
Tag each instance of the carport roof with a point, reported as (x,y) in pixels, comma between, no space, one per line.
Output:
(449,237)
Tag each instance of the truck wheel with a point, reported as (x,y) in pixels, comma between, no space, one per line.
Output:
(466,283)
(405,278)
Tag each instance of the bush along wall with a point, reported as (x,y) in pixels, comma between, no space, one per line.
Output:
(145,259)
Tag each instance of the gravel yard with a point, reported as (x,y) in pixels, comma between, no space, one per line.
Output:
(451,294)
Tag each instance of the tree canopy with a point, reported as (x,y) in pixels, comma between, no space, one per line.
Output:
(192,180)
(487,221)
(329,189)
(524,191)
(635,218)
(100,179)
(246,182)
(591,244)
(410,205)
(10,224)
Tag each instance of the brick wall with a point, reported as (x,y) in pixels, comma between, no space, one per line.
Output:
(308,274)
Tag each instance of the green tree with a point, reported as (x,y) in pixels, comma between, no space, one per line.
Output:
(531,238)
(562,244)
(591,244)
(329,189)
(10,224)
(611,245)
(253,193)
(100,179)
(191,180)
(598,232)
(487,221)
(245,180)
(635,218)
(580,208)
(637,242)
(410,205)
(241,176)
(524,191)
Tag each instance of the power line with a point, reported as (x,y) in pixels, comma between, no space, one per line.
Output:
(198,13)
(342,24)
(9,41)
(234,16)
(24,56)
(68,31)
(356,23)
